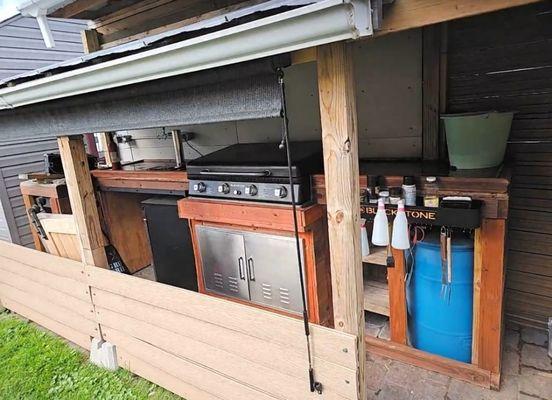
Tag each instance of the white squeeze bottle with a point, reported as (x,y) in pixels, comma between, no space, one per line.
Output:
(400,240)
(380,232)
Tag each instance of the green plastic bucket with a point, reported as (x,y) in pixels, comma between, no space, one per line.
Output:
(477,140)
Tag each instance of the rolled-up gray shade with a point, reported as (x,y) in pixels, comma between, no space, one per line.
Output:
(237,92)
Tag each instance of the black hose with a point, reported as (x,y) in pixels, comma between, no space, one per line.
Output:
(314,386)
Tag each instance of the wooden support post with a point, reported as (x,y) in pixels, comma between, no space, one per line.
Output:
(90,41)
(83,201)
(397,298)
(28,201)
(430,85)
(477,268)
(489,252)
(340,148)
(104,141)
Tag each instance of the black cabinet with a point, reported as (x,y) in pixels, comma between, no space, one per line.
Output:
(171,243)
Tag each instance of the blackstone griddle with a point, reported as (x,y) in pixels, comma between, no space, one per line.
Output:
(256,172)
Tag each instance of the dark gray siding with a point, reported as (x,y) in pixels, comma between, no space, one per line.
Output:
(22,48)
(18,158)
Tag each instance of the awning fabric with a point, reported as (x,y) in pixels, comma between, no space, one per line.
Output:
(236,92)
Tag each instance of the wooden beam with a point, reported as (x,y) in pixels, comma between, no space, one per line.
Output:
(397,298)
(477,269)
(490,250)
(340,149)
(148,18)
(90,40)
(408,14)
(28,201)
(303,56)
(83,200)
(104,141)
(446,366)
(75,8)
(431,44)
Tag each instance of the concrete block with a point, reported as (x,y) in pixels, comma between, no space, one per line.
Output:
(511,340)
(510,363)
(536,357)
(534,336)
(536,384)
(103,354)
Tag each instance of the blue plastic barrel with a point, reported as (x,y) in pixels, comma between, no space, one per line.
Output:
(436,324)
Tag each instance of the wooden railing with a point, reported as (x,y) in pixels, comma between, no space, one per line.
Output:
(195,345)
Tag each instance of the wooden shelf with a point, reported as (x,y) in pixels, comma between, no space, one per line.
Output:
(378,256)
(376,297)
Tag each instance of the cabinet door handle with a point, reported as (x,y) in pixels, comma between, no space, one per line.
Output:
(241,268)
(251,269)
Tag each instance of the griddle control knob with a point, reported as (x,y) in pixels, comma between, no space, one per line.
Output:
(200,187)
(224,188)
(280,192)
(251,190)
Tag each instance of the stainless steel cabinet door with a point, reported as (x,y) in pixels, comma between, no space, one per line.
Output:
(223,261)
(273,271)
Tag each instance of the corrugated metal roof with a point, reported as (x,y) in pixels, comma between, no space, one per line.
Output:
(233,18)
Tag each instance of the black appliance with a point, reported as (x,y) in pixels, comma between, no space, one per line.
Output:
(53,164)
(256,171)
(171,243)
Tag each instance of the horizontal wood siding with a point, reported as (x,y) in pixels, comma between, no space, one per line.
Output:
(20,158)
(48,290)
(22,47)
(503,61)
(195,345)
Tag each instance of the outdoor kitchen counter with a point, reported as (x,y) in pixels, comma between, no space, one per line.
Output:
(141,181)
(488,185)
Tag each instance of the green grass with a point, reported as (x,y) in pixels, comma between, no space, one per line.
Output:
(37,365)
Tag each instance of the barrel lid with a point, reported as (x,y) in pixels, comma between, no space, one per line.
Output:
(459,240)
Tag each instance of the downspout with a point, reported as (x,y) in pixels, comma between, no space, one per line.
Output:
(40,9)
(45,29)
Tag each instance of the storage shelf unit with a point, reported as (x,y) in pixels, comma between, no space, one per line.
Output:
(376,297)
(378,256)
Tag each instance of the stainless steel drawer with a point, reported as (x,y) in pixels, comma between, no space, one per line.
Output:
(223,261)
(252,266)
(273,271)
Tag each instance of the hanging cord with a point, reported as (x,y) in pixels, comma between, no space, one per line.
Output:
(314,386)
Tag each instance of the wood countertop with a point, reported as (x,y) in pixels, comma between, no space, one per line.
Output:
(489,185)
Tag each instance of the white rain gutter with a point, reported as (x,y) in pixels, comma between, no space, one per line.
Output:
(312,25)
(39,9)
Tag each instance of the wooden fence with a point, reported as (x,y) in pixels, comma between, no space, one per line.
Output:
(197,346)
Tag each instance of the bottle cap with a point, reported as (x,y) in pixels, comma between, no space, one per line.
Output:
(400,205)
(409,180)
(431,179)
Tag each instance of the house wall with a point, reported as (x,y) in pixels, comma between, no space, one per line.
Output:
(22,47)
(503,61)
(19,158)
(4,230)
(388,74)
